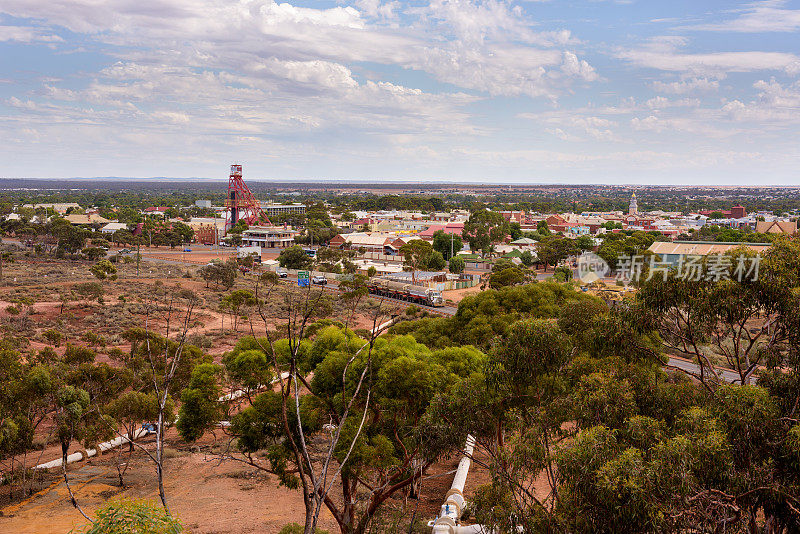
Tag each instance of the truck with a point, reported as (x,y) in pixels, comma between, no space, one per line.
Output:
(406,292)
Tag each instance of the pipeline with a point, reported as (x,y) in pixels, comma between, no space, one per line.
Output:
(123,439)
(449,518)
(116,442)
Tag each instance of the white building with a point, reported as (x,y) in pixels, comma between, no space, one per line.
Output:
(273,210)
(112,227)
(268,237)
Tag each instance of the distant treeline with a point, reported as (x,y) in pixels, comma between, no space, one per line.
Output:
(139,194)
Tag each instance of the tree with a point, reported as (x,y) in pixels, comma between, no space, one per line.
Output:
(483,228)
(519,396)
(542,228)
(373,450)
(447,244)
(162,364)
(419,255)
(70,238)
(234,302)
(435,262)
(130,410)
(584,243)
(619,245)
(562,273)
(744,322)
(199,402)
(94,253)
(338,370)
(103,270)
(53,337)
(221,273)
(508,276)
(122,236)
(554,249)
(526,258)
(457,264)
(73,421)
(183,231)
(484,316)
(133,408)
(294,258)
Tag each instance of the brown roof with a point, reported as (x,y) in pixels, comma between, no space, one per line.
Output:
(776,227)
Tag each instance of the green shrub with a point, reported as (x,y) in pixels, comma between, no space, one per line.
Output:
(296,528)
(132,516)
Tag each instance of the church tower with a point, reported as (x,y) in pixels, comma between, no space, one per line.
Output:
(633,208)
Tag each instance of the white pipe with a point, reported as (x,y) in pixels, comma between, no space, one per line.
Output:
(449,518)
(116,442)
(121,440)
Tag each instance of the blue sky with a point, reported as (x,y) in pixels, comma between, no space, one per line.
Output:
(493,91)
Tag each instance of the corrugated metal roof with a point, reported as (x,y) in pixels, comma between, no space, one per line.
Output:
(702,248)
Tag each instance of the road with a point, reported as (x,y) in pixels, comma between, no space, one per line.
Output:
(691,367)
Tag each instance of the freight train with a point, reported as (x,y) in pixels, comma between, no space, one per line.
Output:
(407,292)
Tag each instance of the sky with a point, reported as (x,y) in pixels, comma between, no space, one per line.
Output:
(490,91)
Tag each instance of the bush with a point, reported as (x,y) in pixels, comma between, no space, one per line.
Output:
(128,516)
(53,337)
(103,269)
(89,289)
(562,274)
(296,528)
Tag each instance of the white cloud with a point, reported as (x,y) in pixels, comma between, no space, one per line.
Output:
(758,17)
(663,53)
(690,85)
(660,102)
(27,34)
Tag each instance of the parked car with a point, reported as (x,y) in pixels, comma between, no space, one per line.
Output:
(319,280)
(187,250)
(125,251)
(282,273)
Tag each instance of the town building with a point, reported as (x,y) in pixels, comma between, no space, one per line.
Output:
(112,227)
(674,252)
(56,207)
(776,227)
(85,219)
(274,210)
(268,237)
(371,242)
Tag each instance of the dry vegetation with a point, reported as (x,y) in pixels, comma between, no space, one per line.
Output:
(46,304)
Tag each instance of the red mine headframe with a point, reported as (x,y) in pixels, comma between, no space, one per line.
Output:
(241,203)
